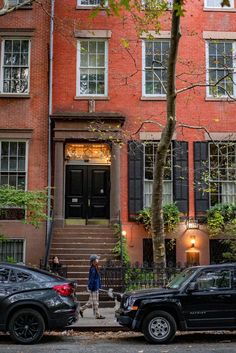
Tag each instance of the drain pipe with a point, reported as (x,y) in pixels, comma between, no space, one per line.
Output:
(49,125)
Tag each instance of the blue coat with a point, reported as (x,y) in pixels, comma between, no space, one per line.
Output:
(94,281)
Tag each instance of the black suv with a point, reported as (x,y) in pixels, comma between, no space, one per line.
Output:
(200,298)
(33,300)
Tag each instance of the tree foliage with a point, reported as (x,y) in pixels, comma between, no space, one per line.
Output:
(34,202)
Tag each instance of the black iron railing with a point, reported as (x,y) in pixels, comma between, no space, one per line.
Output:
(126,277)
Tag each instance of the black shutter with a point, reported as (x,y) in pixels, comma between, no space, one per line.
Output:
(200,187)
(135,176)
(180,175)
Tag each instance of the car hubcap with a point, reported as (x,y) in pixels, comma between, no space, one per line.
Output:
(26,326)
(159,328)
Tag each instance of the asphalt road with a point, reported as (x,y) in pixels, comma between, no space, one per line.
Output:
(122,342)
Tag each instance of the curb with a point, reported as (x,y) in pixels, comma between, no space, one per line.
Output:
(97,328)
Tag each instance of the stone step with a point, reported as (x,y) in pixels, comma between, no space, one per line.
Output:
(88,251)
(73,253)
(77,230)
(88,244)
(85,240)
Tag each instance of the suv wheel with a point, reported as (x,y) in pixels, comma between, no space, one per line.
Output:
(26,326)
(159,327)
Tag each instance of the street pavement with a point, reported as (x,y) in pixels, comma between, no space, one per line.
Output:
(123,342)
(89,335)
(89,321)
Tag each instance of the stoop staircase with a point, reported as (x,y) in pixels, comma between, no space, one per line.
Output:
(74,245)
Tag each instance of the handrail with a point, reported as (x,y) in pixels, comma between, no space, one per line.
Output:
(48,241)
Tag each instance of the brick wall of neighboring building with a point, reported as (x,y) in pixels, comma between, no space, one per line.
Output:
(29,115)
(125,91)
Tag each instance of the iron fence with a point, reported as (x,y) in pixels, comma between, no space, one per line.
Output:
(125,277)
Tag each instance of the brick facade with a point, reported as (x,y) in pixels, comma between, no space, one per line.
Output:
(29,114)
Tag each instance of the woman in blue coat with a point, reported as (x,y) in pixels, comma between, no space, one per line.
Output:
(94,284)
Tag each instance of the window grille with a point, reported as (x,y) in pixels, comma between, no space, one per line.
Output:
(12,249)
(222,173)
(15,66)
(149,158)
(155,57)
(221,68)
(92,68)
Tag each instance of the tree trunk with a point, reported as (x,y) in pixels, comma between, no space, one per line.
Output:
(157,224)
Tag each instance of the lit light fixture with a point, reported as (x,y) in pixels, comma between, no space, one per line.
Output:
(192,223)
(124,233)
(193,240)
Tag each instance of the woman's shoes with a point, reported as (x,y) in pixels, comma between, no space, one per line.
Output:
(100,317)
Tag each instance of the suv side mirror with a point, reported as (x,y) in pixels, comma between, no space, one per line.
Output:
(192,287)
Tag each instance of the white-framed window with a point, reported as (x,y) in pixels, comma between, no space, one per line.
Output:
(154,62)
(15,66)
(150,3)
(12,249)
(222,173)
(13,172)
(216,4)
(92,67)
(150,148)
(13,163)
(221,67)
(91,3)
(16,2)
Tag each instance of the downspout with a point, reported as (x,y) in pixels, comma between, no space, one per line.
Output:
(49,222)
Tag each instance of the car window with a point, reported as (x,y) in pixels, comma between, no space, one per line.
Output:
(180,278)
(4,275)
(19,276)
(23,276)
(214,279)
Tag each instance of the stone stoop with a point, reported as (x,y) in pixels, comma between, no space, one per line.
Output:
(74,244)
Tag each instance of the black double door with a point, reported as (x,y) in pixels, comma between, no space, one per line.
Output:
(87,192)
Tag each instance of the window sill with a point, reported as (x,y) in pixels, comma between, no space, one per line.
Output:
(219,99)
(14,95)
(144,98)
(211,9)
(90,98)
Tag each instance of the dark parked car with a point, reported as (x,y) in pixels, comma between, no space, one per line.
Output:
(32,301)
(200,298)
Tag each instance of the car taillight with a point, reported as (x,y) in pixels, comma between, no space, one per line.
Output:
(64,289)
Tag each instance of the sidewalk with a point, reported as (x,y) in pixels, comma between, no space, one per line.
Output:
(88,321)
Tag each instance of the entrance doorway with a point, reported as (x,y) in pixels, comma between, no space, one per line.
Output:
(87,192)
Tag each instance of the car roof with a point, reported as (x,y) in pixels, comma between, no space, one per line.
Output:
(17,266)
(35,270)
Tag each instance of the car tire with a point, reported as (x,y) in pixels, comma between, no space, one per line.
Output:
(159,327)
(26,326)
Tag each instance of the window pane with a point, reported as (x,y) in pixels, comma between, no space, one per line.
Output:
(92,80)
(156,54)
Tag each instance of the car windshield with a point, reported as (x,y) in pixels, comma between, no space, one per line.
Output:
(180,279)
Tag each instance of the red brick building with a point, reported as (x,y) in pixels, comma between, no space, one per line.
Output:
(103,89)
(24,37)
(97,81)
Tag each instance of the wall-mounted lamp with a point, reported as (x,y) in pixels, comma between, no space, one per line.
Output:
(124,233)
(192,223)
(193,240)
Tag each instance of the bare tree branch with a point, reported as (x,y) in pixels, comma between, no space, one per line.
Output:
(7,8)
(208,85)
(147,122)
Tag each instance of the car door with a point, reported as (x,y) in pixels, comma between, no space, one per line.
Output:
(210,304)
